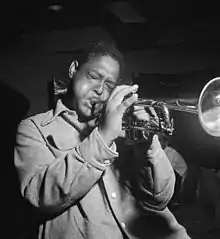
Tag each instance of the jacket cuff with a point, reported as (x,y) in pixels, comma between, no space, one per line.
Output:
(94,151)
(158,201)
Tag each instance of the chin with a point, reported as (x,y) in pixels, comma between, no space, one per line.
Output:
(86,116)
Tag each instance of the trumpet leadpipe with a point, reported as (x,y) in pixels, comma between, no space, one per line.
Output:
(183,108)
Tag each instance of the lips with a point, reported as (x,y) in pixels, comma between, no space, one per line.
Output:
(96,105)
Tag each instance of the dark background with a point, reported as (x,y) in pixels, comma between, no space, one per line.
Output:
(171,54)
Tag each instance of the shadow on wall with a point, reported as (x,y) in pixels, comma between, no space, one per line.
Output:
(14,107)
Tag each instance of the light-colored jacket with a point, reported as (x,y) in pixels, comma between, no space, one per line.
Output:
(70,178)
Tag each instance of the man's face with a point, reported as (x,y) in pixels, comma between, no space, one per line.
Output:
(93,84)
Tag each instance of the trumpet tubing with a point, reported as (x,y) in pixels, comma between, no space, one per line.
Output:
(183,108)
(175,105)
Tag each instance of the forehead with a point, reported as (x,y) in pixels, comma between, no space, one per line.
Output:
(105,65)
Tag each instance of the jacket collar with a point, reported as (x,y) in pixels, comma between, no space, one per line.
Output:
(51,115)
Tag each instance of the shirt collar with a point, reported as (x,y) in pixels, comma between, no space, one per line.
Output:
(51,115)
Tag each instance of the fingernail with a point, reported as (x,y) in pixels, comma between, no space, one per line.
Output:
(149,151)
(136,95)
(155,137)
(135,87)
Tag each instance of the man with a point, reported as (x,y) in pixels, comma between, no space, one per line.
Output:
(66,159)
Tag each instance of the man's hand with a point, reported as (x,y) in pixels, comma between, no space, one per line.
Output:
(110,126)
(155,151)
(145,114)
(146,147)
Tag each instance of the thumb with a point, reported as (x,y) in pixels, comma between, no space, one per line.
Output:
(155,145)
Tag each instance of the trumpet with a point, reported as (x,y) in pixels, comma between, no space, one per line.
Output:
(207,108)
(137,129)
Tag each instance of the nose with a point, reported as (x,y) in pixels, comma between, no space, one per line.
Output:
(99,88)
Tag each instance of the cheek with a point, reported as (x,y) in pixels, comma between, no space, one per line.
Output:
(81,88)
(106,94)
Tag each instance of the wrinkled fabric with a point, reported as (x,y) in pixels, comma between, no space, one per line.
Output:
(177,161)
(180,168)
(67,173)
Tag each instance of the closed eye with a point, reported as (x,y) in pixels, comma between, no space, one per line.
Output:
(92,76)
(110,85)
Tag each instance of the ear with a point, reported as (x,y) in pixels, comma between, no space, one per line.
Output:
(73,68)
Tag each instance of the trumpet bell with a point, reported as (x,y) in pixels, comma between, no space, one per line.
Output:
(209,107)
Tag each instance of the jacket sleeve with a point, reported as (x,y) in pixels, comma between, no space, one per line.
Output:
(155,182)
(53,184)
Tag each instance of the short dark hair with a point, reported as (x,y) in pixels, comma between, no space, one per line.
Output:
(102,48)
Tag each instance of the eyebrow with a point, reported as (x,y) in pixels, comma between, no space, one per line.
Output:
(97,72)
(101,75)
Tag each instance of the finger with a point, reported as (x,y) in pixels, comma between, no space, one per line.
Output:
(128,102)
(155,143)
(139,107)
(120,94)
(142,115)
(117,89)
(122,134)
(140,111)
(154,113)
